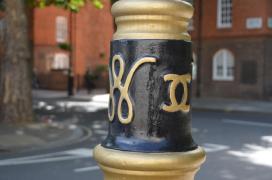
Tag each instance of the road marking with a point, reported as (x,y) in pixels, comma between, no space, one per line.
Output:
(247,123)
(101,132)
(267,139)
(82,153)
(50,157)
(209,148)
(254,154)
(91,168)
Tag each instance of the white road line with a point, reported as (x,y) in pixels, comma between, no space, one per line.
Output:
(101,132)
(209,148)
(50,157)
(81,153)
(247,123)
(37,161)
(92,168)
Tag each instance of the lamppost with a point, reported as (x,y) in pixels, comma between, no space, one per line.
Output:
(149,134)
(70,80)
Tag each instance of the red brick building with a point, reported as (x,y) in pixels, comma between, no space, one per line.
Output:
(88,33)
(233,45)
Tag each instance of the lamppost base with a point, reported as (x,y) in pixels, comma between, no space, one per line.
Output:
(124,165)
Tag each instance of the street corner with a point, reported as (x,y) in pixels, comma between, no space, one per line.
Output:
(40,135)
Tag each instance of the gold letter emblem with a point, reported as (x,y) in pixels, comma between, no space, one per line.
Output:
(115,83)
(176,80)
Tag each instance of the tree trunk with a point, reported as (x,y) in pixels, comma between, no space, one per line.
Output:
(15,77)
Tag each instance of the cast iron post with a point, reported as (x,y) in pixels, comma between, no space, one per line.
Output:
(150,78)
(70,82)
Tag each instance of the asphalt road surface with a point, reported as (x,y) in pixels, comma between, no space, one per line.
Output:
(238,145)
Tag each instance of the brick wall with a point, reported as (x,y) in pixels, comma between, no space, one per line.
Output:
(247,46)
(242,10)
(94,29)
(268,69)
(45,25)
(91,32)
(244,50)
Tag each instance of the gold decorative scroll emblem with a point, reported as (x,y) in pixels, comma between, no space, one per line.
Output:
(175,81)
(115,83)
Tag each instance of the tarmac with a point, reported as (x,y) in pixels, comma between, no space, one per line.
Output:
(47,133)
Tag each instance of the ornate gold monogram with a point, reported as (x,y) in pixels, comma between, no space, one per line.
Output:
(175,81)
(115,83)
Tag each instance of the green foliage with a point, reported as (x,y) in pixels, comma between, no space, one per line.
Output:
(73,5)
(102,55)
(65,46)
(113,1)
(96,74)
(2,6)
(100,69)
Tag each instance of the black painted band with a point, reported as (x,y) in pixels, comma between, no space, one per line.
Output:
(152,128)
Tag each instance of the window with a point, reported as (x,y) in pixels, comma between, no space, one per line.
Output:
(249,72)
(194,64)
(223,66)
(254,23)
(2,6)
(191,22)
(60,62)
(269,22)
(191,25)
(2,27)
(61,29)
(190,1)
(224,13)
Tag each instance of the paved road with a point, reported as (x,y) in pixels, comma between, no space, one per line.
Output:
(239,147)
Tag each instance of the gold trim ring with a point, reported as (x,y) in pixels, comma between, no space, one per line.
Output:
(149,166)
(152,19)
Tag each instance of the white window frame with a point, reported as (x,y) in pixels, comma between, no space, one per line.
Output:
(225,76)
(269,22)
(191,25)
(60,61)
(194,67)
(61,29)
(219,17)
(254,22)
(2,26)
(190,1)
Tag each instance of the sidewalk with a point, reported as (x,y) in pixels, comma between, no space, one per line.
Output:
(214,104)
(232,105)
(58,101)
(80,95)
(38,135)
(48,130)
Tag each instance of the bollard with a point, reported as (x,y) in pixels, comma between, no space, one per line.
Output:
(149,112)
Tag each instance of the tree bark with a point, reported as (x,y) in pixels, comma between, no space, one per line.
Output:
(15,73)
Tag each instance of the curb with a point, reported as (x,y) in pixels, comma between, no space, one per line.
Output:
(230,110)
(81,134)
